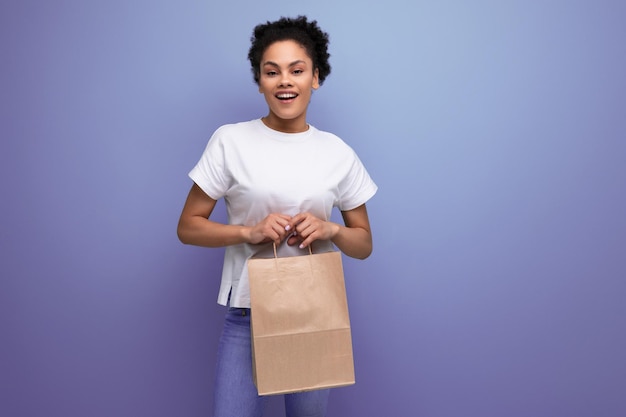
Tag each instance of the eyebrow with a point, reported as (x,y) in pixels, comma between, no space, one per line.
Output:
(274,64)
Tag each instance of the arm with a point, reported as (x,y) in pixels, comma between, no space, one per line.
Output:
(354,238)
(195,228)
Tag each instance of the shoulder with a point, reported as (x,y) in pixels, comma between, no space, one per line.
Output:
(236,129)
(332,141)
(234,134)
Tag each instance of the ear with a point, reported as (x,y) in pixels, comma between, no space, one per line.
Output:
(316,79)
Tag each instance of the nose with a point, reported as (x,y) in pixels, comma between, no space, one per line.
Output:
(285,80)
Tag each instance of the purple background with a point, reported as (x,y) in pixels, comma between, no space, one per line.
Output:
(495,130)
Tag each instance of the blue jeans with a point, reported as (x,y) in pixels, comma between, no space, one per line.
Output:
(235,392)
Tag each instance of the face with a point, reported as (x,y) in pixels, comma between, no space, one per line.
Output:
(287,81)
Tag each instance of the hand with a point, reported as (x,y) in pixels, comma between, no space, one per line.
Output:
(306,228)
(272,228)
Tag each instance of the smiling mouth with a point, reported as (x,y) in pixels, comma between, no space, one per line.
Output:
(286,96)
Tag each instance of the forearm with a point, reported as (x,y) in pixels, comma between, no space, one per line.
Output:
(353,241)
(199,231)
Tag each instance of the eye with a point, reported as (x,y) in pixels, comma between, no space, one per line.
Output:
(298,71)
(271,73)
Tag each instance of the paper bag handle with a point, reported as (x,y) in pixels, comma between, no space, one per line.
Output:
(276,255)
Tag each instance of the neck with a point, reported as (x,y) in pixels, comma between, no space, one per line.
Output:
(298,125)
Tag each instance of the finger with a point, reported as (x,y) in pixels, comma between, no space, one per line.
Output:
(308,236)
(293,239)
(278,222)
(283,219)
(279,232)
(297,219)
(306,242)
(293,225)
(305,229)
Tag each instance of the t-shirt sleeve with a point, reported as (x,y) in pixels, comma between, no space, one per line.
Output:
(210,172)
(357,187)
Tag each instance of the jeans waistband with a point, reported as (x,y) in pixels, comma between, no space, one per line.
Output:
(239,311)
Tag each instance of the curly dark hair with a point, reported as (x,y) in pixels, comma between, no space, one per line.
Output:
(299,29)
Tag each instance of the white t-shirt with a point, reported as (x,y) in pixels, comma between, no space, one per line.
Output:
(259,171)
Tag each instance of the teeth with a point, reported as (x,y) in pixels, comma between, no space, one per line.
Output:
(286,96)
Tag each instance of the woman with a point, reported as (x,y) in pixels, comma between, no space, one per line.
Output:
(280,178)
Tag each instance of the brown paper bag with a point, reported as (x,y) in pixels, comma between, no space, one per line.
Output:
(301,337)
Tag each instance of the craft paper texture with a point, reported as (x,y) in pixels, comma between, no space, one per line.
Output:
(300,324)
